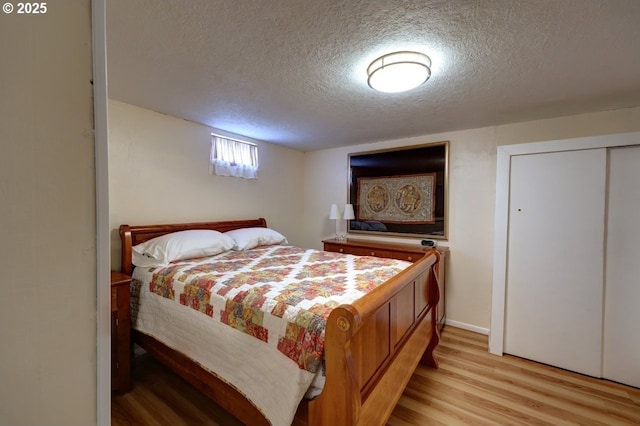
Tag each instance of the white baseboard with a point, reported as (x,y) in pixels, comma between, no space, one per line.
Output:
(469,327)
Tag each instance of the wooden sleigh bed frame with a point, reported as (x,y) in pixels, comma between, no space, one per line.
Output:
(372,346)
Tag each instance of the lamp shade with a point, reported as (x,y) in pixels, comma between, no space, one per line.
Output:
(399,71)
(348,212)
(334,213)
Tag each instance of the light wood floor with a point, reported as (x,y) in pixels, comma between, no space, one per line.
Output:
(471,387)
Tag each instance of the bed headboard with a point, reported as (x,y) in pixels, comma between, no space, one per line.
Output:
(132,235)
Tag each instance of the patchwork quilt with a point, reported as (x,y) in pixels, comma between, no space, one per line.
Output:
(298,286)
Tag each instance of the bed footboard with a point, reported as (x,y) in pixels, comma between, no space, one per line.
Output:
(373,346)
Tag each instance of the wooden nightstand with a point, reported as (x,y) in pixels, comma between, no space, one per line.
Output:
(408,252)
(120,332)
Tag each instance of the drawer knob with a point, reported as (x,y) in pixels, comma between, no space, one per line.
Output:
(341,250)
(410,258)
(373,253)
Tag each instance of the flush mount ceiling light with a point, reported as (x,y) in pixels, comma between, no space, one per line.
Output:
(399,71)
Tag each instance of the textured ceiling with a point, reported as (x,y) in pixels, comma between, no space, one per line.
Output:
(293,72)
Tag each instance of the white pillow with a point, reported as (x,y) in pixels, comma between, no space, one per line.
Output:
(248,238)
(160,251)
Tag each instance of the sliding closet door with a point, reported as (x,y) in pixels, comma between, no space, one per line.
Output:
(555,254)
(622,295)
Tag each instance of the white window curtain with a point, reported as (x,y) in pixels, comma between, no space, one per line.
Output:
(231,157)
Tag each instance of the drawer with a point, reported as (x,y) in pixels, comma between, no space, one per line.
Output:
(366,251)
(337,248)
(410,257)
(376,249)
(358,251)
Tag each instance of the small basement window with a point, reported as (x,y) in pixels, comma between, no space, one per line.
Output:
(233,157)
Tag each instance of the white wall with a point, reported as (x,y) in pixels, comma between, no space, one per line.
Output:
(159,173)
(472,176)
(47,219)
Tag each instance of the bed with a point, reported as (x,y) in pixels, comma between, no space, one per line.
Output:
(371,346)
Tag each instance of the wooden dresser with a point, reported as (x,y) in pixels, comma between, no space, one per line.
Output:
(408,252)
(120,332)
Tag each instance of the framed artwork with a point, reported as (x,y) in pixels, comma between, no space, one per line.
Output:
(397,199)
(401,191)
